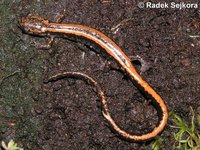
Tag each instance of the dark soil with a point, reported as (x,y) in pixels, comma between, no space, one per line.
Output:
(67,114)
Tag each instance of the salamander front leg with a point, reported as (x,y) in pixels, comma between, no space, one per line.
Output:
(44,46)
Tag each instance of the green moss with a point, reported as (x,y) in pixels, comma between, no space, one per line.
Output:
(20,72)
(187,136)
(10,146)
(156,144)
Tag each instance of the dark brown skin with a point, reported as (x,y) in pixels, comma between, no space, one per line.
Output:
(41,27)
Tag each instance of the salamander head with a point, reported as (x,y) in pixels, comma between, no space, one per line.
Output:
(33,25)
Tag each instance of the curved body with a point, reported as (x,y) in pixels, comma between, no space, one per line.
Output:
(39,26)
